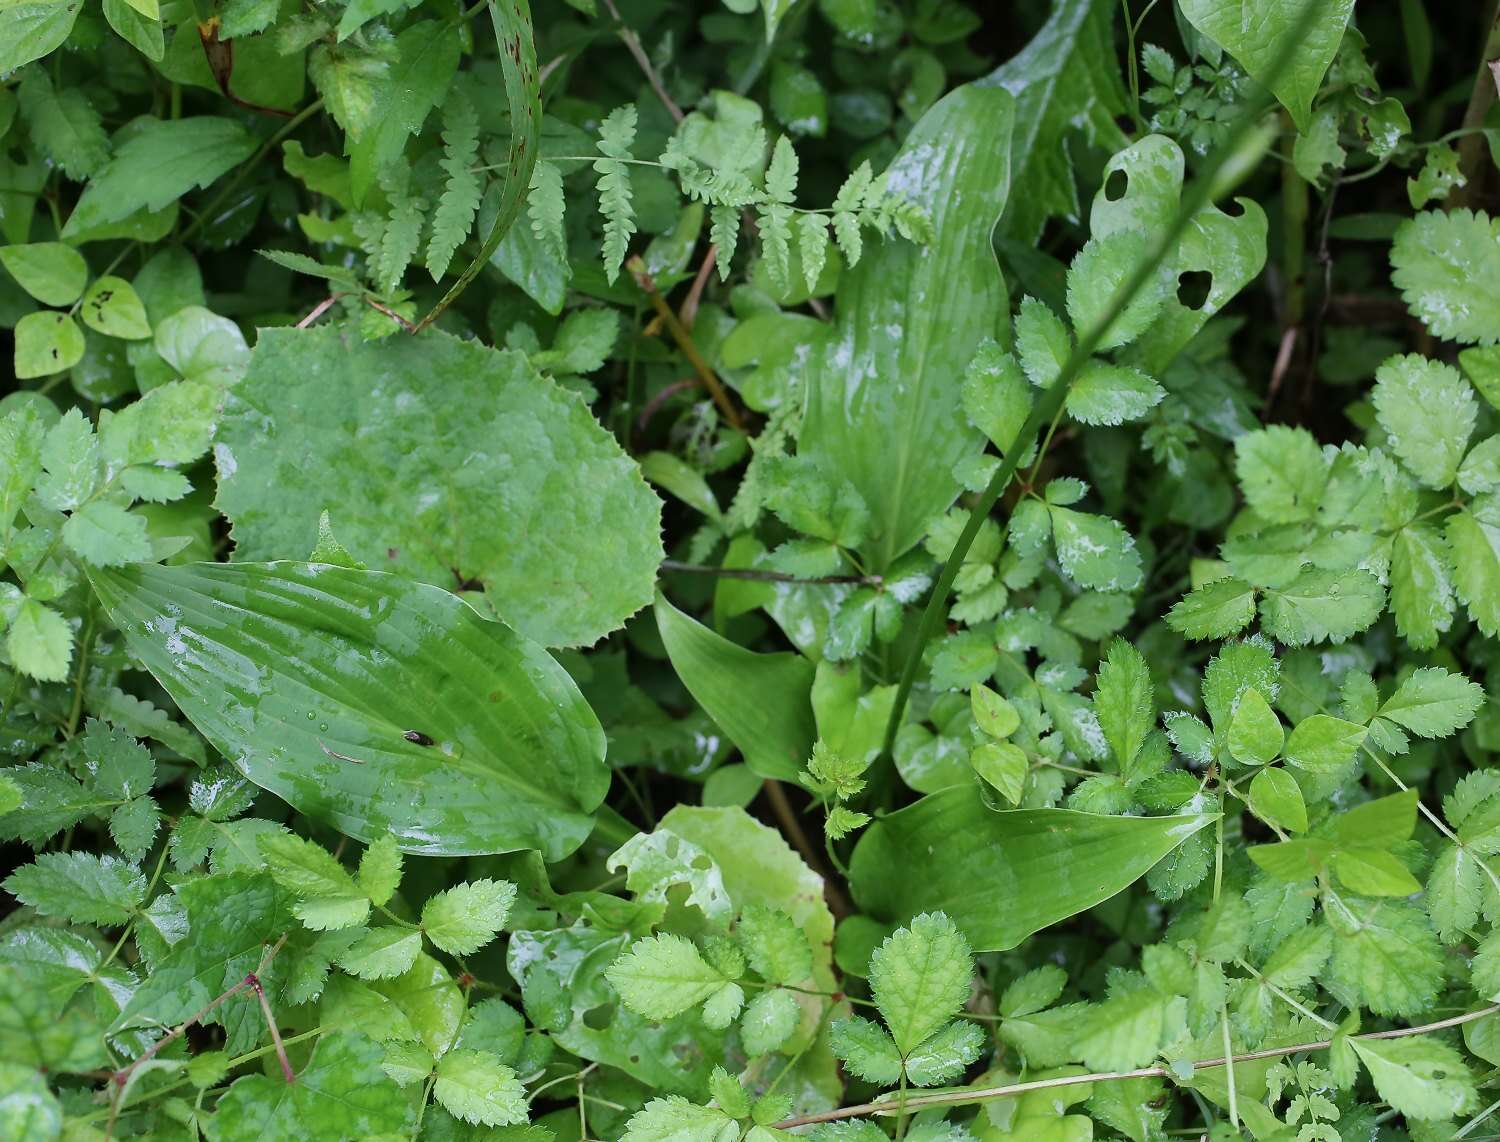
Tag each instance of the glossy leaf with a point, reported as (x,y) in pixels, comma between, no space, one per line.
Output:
(308,677)
(1002,875)
(431,456)
(885,383)
(762,701)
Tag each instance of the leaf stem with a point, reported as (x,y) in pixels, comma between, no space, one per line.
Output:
(684,341)
(985,1094)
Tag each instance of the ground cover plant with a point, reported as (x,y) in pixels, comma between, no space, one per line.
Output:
(699,570)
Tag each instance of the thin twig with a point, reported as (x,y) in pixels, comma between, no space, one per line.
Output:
(320,309)
(757,575)
(983,1094)
(684,341)
(260,993)
(687,313)
(633,42)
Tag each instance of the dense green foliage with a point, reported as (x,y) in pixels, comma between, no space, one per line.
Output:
(715,570)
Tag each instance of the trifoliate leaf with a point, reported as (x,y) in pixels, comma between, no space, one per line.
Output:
(52,272)
(1125,1030)
(775,946)
(1095,551)
(1096,279)
(663,976)
(113,308)
(382,953)
(1323,744)
(1216,609)
(1276,798)
(1037,989)
(328,897)
(1255,732)
(477,1087)
(675,1119)
(1004,766)
(1385,958)
(80,887)
(721,1008)
(993,714)
(1422,1078)
(1433,703)
(920,977)
(866,1050)
(1282,471)
(1042,342)
(943,1055)
(769,1020)
(1428,412)
(1112,394)
(1473,535)
(468,916)
(1447,266)
(1421,585)
(107,535)
(380,870)
(47,342)
(1322,606)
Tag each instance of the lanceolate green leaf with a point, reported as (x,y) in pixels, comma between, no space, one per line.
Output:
(311,680)
(884,405)
(1002,875)
(762,701)
(446,461)
(1064,80)
(1259,32)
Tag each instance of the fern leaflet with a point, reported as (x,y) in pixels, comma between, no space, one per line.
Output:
(724,232)
(616,135)
(402,236)
(460,201)
(812,244)
(545,207)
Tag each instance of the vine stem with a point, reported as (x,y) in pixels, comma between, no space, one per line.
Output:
(684,341)
(984,1094)
(1048,410)
(633,43)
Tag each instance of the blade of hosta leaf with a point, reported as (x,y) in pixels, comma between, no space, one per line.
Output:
(1258,32)
(884,389)
(446,461)
(762,701)
(307,677)
(1002,875)
(523,93)
(1064,80)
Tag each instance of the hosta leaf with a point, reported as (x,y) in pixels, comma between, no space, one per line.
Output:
(431,455)
(1289,41)
(1065,81)
(762,701)
(308,677)
(1001,876)
(884,385)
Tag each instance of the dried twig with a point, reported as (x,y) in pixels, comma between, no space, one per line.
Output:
(684,341)
(633,42)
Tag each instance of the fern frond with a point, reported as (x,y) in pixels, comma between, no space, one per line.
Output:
(781,175)
(851,195)
(616,135)
(812,244)
(717,188)
(460,201)
(724,232)
(847,234)
(546,207)
(402,236)
(775,238)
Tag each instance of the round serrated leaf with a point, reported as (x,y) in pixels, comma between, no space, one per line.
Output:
(46,343)
(1276,798)
(112,307)
(1255,733)
(52,272)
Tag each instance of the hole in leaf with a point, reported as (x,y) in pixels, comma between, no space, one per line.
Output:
(599,1018)
(1193,288)
(702,863)
(1116,185)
